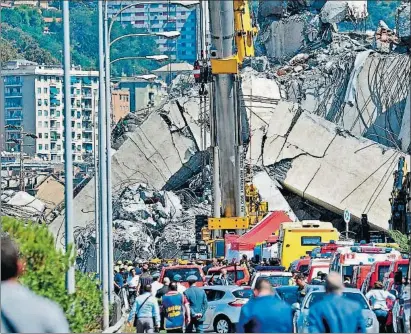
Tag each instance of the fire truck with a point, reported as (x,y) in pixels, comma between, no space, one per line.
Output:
(346,258)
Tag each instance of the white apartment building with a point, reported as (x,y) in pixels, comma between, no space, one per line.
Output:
(32,97)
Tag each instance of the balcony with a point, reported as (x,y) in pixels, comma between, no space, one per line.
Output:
(87,96)
(10,81)
(87,82)
(13,94)
(87,129)
(88,140)
(17,116)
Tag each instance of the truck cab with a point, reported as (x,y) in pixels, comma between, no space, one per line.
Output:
(376,273)
(184,271)
(300,238)
(239,275)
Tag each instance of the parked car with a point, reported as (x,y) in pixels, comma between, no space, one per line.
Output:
(289,294)
(224,307)
(401,312)
(278,278)
(315,295)
(237,274)
(184,271)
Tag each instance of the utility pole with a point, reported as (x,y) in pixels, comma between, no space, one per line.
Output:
(102,142)
(108,141)
(96,195)
(68,158)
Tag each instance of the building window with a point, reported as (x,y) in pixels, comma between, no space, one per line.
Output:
(78,125)
(46,135)
(40,135)
(39,124)
(40,147)
(46,147)
(58,125)
(39,90)
(39,102)
(46,124)
(79,136)
(39,113)
(46,90)
(78,147)
(78,91)
(58,113)
(78,114)
(46,113)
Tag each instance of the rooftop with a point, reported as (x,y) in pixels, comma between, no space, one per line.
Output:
(174,67)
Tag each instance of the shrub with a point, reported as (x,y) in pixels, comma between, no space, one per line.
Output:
(45,274)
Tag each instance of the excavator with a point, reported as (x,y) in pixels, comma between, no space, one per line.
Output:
(237,204)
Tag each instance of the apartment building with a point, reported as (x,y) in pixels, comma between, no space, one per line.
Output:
(143,93)
(33,98)
(159,16)
(33,3)
(120,101)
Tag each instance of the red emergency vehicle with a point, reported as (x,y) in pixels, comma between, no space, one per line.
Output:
(346,258)
(360,274)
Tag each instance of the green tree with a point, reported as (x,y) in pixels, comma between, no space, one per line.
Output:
(45,274)
(7,51)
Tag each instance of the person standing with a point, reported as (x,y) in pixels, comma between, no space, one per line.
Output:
(176,310)
(156,284)
(22,311)
(335,313)
(119,280)
(133,282)
(302,287)
(145,313)
(224,279)
(180,287)
(265,313)
(378,300)
(145,277)
(198,306)
(291,281)
(166,287)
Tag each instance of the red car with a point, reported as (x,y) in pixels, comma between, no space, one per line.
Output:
(238,274)
(184,271)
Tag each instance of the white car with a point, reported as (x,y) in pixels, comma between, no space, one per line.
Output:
(316,294)
(224,307)
(401,312)
(277,278)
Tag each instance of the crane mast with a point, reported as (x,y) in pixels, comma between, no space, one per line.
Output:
(232,33)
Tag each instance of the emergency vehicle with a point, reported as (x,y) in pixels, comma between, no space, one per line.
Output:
(360,274)
(317,265)
(399,265)
(298,239)
(346,258)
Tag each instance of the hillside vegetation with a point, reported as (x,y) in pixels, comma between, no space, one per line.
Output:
(23,36)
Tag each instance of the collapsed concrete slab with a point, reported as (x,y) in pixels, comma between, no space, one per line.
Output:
(329,166)
(368,101)
(405,133)
(338,11)
(154,154)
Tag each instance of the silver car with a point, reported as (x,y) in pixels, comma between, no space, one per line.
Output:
(316,294)
(224,307)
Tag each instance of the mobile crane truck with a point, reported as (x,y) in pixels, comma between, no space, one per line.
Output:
(236,206)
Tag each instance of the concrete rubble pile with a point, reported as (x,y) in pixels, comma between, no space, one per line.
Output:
(21,205)
(357,80)
(289,27)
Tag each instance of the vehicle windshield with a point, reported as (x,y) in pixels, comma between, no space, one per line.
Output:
(243,293)
(184,273)
(404,269)
(348,271)
(381,272)
(318,296)
(277,280)
(290,296)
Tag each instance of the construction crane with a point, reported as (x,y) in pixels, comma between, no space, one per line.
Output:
(237,206)
(401,199)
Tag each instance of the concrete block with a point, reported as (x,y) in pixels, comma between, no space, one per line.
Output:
(331,167)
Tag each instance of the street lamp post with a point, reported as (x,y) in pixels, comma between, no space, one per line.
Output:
(107,46)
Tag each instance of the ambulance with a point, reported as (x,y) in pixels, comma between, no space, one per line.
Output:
(346,258)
